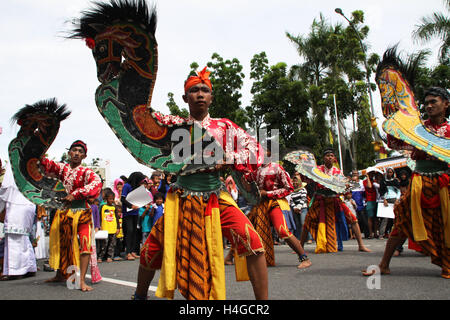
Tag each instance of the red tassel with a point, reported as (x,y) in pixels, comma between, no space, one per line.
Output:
(90,43)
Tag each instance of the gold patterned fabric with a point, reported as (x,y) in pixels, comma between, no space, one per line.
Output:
(267,213)
(193,272)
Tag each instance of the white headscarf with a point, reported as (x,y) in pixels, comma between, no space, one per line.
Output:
(386,177)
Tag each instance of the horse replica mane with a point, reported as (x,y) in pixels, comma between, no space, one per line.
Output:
(395,80)
(39,125)
(121,34)
(95,20)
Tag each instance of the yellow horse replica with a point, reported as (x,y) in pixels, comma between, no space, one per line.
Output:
(403,121)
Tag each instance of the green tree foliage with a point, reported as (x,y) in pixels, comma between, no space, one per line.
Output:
(437,25)
(227,80)
(334,67)
(362,136)
(174,108)
(64,158)
(278,101)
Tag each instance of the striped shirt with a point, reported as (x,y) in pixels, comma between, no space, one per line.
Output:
(298,199)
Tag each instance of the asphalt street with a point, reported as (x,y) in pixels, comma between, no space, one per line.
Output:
(333,276)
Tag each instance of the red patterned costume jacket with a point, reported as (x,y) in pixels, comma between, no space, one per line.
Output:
(81,182)
(274,179)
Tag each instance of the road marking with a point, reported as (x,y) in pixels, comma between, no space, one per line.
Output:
(123,283)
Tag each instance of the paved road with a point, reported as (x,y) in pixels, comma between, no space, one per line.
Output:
(334,276)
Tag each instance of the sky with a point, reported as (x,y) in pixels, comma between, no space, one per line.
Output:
(37,61)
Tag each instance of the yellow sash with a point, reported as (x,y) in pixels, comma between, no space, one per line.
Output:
(284,204)
(215,253)
(418,226)
(167,279)
(321,239)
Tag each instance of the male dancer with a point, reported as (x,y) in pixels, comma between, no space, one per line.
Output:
(321,217)
(423,213)
(81,184)
(186,243)
(274,184)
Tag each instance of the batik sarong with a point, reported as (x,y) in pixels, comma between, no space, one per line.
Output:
(270,212)
(320,221)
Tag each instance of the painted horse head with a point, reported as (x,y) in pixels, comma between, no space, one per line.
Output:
(395,80)
(41,120)
(39,125)
(121,35)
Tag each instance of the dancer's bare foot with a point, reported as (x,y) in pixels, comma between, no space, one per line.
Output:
(305,264)
(383,270)
(364,249)
(84,287)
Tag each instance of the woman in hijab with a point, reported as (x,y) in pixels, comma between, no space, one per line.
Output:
(117,189)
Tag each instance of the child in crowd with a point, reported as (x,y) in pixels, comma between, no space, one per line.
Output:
(117,189)
(120,244)
(351,205)
(158,207)
(146,220)
(110,222)
(95,204)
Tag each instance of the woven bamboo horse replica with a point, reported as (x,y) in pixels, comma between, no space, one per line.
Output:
(306,165)
(395,80)
(39,125)
(121,35)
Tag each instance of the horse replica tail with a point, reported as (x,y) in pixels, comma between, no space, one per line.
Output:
(121,35)
(395,80)
(39,124)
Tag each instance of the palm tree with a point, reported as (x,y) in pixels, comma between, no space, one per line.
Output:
(315,48)
(436,26)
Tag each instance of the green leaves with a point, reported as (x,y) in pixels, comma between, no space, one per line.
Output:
(437,25)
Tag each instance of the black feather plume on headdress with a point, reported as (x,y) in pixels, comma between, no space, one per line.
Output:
(49,106)
(103,14)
